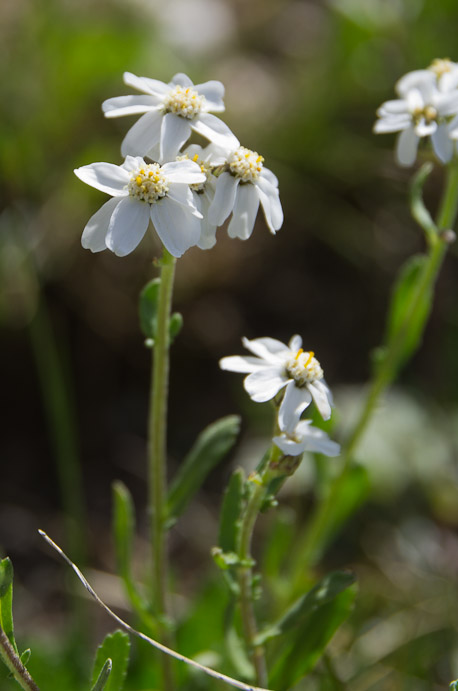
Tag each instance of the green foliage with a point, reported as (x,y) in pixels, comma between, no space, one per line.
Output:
(320,595)
(307,643)
(209,449)
(103,676)
(229,525)
(115,648)
(6,600)
(405,302)
(417,206)
(149,297)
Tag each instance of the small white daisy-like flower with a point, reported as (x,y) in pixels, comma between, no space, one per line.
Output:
(208,159)
(170,113)
(428,100)
(243,184)
(277,366)
(142,192)
(302,436)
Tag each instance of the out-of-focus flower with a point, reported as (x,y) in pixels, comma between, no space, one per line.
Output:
(277,366)
(241,186)
(428,101)
(302,436)
(142,192)
(170,113)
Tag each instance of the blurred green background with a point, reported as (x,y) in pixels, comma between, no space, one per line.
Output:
(303,80)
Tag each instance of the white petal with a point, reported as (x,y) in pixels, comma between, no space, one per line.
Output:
(395,107)
(183,171)
(241,363)
(414,79)
(244,212)
(224,199)
(268,349)
(143,135)
(105,177)
(214,94)
(447,104)
(294,403)
(264,384)
(128,225)
(442,144)
(406,148)
(295,343)
(270,202)
(181,79)
(392,124)
(214,129)
(94,234)
(207,238)
(175,130)
(424,129)
(182,194)
(148,86)
(321,398)
(176,226)
(289,446)
(128,105)
(270,177)
(133,163)
(449,80)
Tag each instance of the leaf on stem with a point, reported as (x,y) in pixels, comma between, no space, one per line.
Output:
(229,524)
(6,600)
(103,676)
(401,309)
(209,449)
(115,648)
(149,297)
(322,593)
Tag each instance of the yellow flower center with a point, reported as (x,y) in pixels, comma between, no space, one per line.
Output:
(245,164)
(148,184)
(303,367)
(184,101)
(205,168)
(429,113)
(440,66)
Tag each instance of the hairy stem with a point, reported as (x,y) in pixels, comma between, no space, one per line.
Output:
(14,664)
(157,433)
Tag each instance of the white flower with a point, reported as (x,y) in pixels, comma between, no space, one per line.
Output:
(171,112)
(301,437)
(244,183)
(277,366)
(207,158)
(427,99)
(143,191)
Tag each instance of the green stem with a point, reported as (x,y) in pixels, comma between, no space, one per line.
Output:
(14,664)
(157,434)
(315,536)
(61,423)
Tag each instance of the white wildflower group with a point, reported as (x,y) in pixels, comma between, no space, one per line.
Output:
(427,107)
(294,375)
(185,193)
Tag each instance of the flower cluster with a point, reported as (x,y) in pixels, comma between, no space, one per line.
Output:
(427,107)
(294,378)
(185,192)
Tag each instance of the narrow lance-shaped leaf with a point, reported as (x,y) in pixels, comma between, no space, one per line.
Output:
(148,303)
(103,676)
(115,647)
(209,449)
(6,600)
(229,524)
(322,593)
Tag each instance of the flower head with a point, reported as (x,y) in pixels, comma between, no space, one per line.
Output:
(302,436)
(169,114)
(277,366)
(142,192)
(244,183)
(428,100)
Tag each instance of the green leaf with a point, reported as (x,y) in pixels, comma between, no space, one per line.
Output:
(303,649)
(115,647)
(148,308)
(210,447)
(103,676)
(229,524)
(323,592)
(401,309)
(417,207)
(6,600)
(149,297)
(25,656)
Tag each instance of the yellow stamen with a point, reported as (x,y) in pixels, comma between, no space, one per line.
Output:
(195,158)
